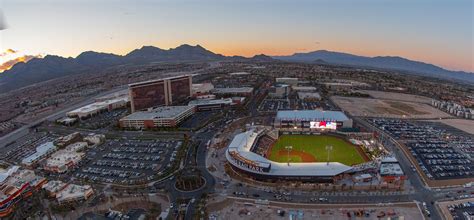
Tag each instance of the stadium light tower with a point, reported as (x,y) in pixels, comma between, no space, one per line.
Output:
(288,149)
(328,149)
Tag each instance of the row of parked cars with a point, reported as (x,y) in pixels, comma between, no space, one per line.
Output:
(440,153)
(126,164)
(462,211)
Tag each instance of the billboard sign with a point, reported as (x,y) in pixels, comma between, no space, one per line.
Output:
(323,124)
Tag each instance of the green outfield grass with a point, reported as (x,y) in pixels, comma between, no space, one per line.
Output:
(312,148)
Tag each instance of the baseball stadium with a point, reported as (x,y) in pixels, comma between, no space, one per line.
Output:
(313,153)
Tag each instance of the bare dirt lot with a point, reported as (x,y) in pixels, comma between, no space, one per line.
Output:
(387,108)
(237,209)
(461,124)
(397,96)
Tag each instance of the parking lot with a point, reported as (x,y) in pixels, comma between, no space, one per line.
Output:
(199,119)
(462,211)
(305,105)
(123,161)
(25,146)
(273,105)
(102,120)
(442,152)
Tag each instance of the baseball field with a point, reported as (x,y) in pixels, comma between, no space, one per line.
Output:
(312,148)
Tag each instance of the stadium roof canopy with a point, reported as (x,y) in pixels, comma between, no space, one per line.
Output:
(308,115)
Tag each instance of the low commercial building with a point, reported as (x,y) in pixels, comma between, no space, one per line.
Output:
(209,96)
(239,74)
(390,170)
(202,88)
(68,139)
(304,88)
(67,121)
(344,85)
(309,96)
(240,91)
(64,159)
(279,91)
(210,104)
(65,192)
(53,187)
(238,100)
(168,116)
(287,80)
(95,139)
(16,184)
(41,152)
(98,107)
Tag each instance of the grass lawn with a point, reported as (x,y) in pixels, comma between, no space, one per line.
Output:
(314,147)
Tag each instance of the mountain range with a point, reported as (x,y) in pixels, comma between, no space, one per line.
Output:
(51,67)
(380,62)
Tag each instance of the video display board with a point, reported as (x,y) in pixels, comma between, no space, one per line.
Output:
(323,124)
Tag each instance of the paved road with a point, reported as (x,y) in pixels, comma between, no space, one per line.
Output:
(22,131)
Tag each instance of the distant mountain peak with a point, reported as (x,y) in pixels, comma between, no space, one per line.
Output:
(52,66)
(381,62)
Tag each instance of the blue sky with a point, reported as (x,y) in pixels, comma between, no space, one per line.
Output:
(434,31)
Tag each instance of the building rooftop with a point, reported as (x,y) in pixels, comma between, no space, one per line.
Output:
(303,95)
(304,88)
(199,102)
(233,90)
(5,173)
(239,73)
(54,186)
(311,115)
(41,150)
(97,106)
(391,169)
(287,78)
(167,112)
(389,159)
(73,192)
(64,156)
(15,180)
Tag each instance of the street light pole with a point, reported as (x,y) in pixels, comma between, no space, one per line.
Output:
(328,149)
(288,149)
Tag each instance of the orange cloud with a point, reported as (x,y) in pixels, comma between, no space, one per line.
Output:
(23,59)
(7,52)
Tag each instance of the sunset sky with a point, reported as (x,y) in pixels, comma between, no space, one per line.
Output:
(433,31)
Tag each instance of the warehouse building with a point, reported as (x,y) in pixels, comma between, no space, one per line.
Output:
(98,107)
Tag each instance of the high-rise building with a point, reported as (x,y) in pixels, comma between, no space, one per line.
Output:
(161,92)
